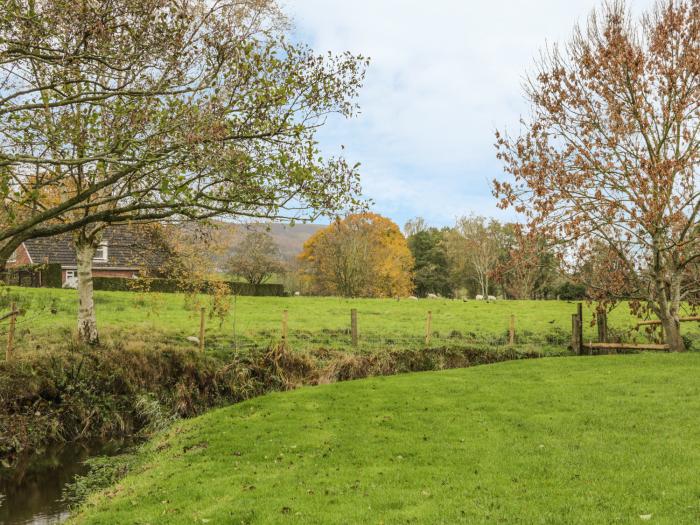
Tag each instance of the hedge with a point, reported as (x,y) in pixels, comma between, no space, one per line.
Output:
(52,276)
(34,275)
(172,286)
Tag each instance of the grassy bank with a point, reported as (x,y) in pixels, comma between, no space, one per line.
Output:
(114,392)
(580,440)
(165,321)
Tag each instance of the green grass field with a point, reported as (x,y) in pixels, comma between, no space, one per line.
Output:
(610,439)
(165,320)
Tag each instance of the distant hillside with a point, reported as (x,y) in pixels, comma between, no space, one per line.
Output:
(290,239)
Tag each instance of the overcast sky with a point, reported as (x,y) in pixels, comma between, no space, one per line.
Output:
(445,74)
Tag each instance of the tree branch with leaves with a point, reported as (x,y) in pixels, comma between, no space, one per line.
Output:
(611,152)
(128,111)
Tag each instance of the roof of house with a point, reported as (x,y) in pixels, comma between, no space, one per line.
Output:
(125,249)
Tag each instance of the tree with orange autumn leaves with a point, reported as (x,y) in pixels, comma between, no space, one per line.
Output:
(609,158)
(363,255)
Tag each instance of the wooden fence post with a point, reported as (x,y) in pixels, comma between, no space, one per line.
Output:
(576,343)
(579,327)
(201,328)
(235,312)
(429,329)
(353,326)
(11,331)
(285,319)
(511,331)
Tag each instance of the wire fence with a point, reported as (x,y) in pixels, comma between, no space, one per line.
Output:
(355,330)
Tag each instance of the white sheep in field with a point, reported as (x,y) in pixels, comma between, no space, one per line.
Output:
(492,298)
(479,297)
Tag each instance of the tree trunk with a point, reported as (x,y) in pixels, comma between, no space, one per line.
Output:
(668,301)
(87,323)
(672,334)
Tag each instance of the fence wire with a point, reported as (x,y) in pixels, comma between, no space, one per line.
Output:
(239,334)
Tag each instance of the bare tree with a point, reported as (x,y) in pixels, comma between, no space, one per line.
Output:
(257,258)
(415,226)
(473,249)
(611,152)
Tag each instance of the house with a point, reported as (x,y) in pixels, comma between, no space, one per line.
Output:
(124,253)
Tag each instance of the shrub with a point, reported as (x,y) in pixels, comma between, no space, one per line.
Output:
(46,275)
(52,276)
(571,292)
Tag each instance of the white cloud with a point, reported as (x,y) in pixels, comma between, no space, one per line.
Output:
(444,75)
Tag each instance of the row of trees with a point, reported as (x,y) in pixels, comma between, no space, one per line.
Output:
(362,255)
(479,256)
(367,255)
(134,111)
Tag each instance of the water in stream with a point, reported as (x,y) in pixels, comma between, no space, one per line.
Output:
(31,493)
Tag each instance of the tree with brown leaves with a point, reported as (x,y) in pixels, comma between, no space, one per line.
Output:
(611,152)
(527,268)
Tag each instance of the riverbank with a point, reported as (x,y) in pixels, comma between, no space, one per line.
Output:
(82,395)
(57,405)
(85,394)
(577,441)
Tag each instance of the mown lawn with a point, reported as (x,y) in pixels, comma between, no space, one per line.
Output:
(166,320)
(570,440)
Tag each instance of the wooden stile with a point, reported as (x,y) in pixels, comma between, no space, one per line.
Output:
(627,346)
(579,327)
(576,335)
(658,323)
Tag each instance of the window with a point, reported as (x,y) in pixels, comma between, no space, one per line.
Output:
(70,274)
(101,253)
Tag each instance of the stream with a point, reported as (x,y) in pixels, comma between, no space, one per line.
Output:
(31,493)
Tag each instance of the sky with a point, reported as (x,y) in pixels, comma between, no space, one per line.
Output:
(444,76)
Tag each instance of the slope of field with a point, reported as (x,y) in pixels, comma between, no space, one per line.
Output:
(167,320)
(573,440)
